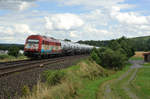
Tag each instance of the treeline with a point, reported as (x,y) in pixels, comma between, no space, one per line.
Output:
(94,43)
(141,43)
(115,54)
(8,46)
(138,43)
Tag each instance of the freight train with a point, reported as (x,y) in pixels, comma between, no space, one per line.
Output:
(38,46)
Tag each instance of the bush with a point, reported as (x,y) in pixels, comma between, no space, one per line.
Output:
(109,58)
(4,56)
(53,77)
(95,57)
(13,51)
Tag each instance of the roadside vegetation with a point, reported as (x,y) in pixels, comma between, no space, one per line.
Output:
(141,84)
(12,55)
(6,57)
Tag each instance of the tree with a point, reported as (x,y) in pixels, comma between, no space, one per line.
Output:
(13,51)
(148,44)
(67,40)
(109,58)
(94,56)
(114,45)
(127,46)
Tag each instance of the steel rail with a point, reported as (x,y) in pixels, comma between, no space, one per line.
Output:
(4,71)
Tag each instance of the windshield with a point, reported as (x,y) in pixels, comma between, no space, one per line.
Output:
(32,44)
(33,41)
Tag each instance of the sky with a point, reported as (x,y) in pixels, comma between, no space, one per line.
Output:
(73,19)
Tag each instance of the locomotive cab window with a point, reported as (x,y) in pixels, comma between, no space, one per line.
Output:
(33,41)
(32,44)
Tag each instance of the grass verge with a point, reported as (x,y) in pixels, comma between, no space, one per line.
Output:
(146,64)
(141,84)
(5,58)
(136,58)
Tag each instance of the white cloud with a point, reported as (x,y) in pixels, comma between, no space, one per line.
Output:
(16,33)
(16,4)
(22,28)
(93,3)
(73,34)
(128,17)
(6,30)
(63,22)
(144,27)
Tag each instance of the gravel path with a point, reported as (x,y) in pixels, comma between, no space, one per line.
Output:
(129,75)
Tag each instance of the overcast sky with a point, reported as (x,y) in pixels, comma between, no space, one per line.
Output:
(73,19)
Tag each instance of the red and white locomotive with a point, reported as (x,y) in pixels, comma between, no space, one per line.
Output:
(42,46)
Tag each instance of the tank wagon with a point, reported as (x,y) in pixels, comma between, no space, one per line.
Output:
(38,46)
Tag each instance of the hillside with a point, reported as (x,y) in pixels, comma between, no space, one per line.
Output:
(139,43)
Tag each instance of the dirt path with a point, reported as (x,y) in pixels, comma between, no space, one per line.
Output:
(120,88)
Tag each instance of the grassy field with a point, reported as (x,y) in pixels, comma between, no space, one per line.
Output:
(141,83)
(146,64)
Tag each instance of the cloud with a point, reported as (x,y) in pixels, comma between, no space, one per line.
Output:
(16,4)
(93,3)
(63,22)
(16,33)
(128,17)
(73,34)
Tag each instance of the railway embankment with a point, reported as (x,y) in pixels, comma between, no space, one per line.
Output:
(19,83)
(79,81)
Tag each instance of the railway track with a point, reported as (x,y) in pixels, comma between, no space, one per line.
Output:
(13,67)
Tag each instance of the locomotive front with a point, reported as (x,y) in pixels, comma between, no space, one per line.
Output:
(32,46)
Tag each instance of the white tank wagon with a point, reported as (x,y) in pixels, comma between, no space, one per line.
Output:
(75,48)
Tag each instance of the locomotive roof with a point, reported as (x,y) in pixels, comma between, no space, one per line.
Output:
(46,38)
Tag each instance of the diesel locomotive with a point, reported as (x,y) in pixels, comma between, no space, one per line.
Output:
(38,46)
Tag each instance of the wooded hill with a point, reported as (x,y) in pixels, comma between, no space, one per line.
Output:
(7,46)
(138,43)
